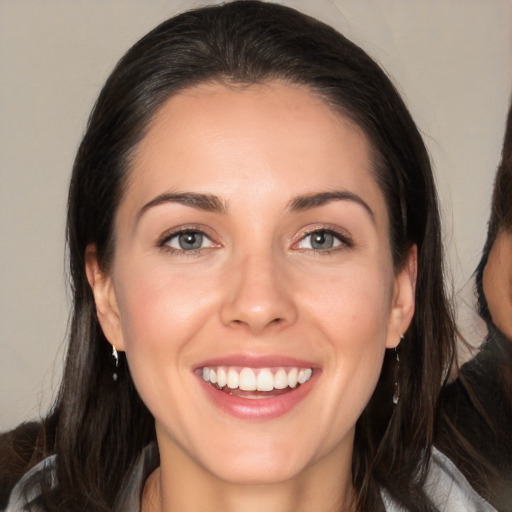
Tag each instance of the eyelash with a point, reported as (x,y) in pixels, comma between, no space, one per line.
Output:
(345,241)
(167,237)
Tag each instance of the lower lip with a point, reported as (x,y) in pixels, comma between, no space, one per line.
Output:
(258,408)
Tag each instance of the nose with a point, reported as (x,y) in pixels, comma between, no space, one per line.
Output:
(258,296)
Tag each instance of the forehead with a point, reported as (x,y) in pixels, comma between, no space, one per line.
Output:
(236,141)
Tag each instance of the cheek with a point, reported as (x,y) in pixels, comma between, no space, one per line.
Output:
(161,314)
(352,314)
(352,306)
(157,306)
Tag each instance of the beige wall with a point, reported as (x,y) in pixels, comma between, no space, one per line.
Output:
(452,60)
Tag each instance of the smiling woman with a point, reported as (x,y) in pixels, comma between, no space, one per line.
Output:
(265,279)
(252,223)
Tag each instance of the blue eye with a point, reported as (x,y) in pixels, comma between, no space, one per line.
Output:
(321,240)
(188,241)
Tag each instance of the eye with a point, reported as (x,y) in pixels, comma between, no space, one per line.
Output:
(322,240)
(187,240)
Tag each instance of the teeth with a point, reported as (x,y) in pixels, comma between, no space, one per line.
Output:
(281,379)
(252,379)
(221,377)
(304,375)
(265,380)
(292,377)
(233,379)
(247,380)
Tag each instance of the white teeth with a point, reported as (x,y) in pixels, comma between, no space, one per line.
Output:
(233,379)
(265,380)
(304,375)
(251,379)
(281,379)
(247,380)
(292,377)
(221,377)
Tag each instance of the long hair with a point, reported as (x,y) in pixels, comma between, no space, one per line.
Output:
(102,424)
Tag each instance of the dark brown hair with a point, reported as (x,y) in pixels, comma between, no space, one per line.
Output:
(102,425)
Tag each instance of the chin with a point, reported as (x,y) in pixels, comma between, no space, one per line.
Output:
(259,465)
(250,473)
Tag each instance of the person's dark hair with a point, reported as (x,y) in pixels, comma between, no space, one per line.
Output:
(103,425)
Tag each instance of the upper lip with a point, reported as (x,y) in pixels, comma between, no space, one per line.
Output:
(257,361)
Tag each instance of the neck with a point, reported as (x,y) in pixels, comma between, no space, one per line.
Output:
(181,484)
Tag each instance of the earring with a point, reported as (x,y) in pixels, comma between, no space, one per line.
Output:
(396,393)
(115,355)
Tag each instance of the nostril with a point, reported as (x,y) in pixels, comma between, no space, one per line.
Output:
(257,325)
(257,304)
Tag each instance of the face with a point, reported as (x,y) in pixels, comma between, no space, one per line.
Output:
(252,286)
(497,282)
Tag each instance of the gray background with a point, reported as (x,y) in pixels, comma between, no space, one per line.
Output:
(451,60)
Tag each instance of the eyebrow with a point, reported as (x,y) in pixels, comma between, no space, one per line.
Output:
(212,203)
(308,201)
(206,202)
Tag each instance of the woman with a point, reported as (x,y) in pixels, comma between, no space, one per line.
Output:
(252,223)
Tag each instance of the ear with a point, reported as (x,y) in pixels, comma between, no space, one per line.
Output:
(105,298)
(404,293)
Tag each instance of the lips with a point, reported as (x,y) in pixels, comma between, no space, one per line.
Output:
(260,388)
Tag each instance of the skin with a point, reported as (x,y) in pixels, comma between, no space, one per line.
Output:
(255,288)
(497,282)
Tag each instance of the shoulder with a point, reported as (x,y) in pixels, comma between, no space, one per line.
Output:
(447,488)
(28,489)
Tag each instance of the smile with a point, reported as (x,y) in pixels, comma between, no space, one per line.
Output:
(257,389)
(230,379)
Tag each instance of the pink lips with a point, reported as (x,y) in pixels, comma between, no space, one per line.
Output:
(253,361)
(273,404)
